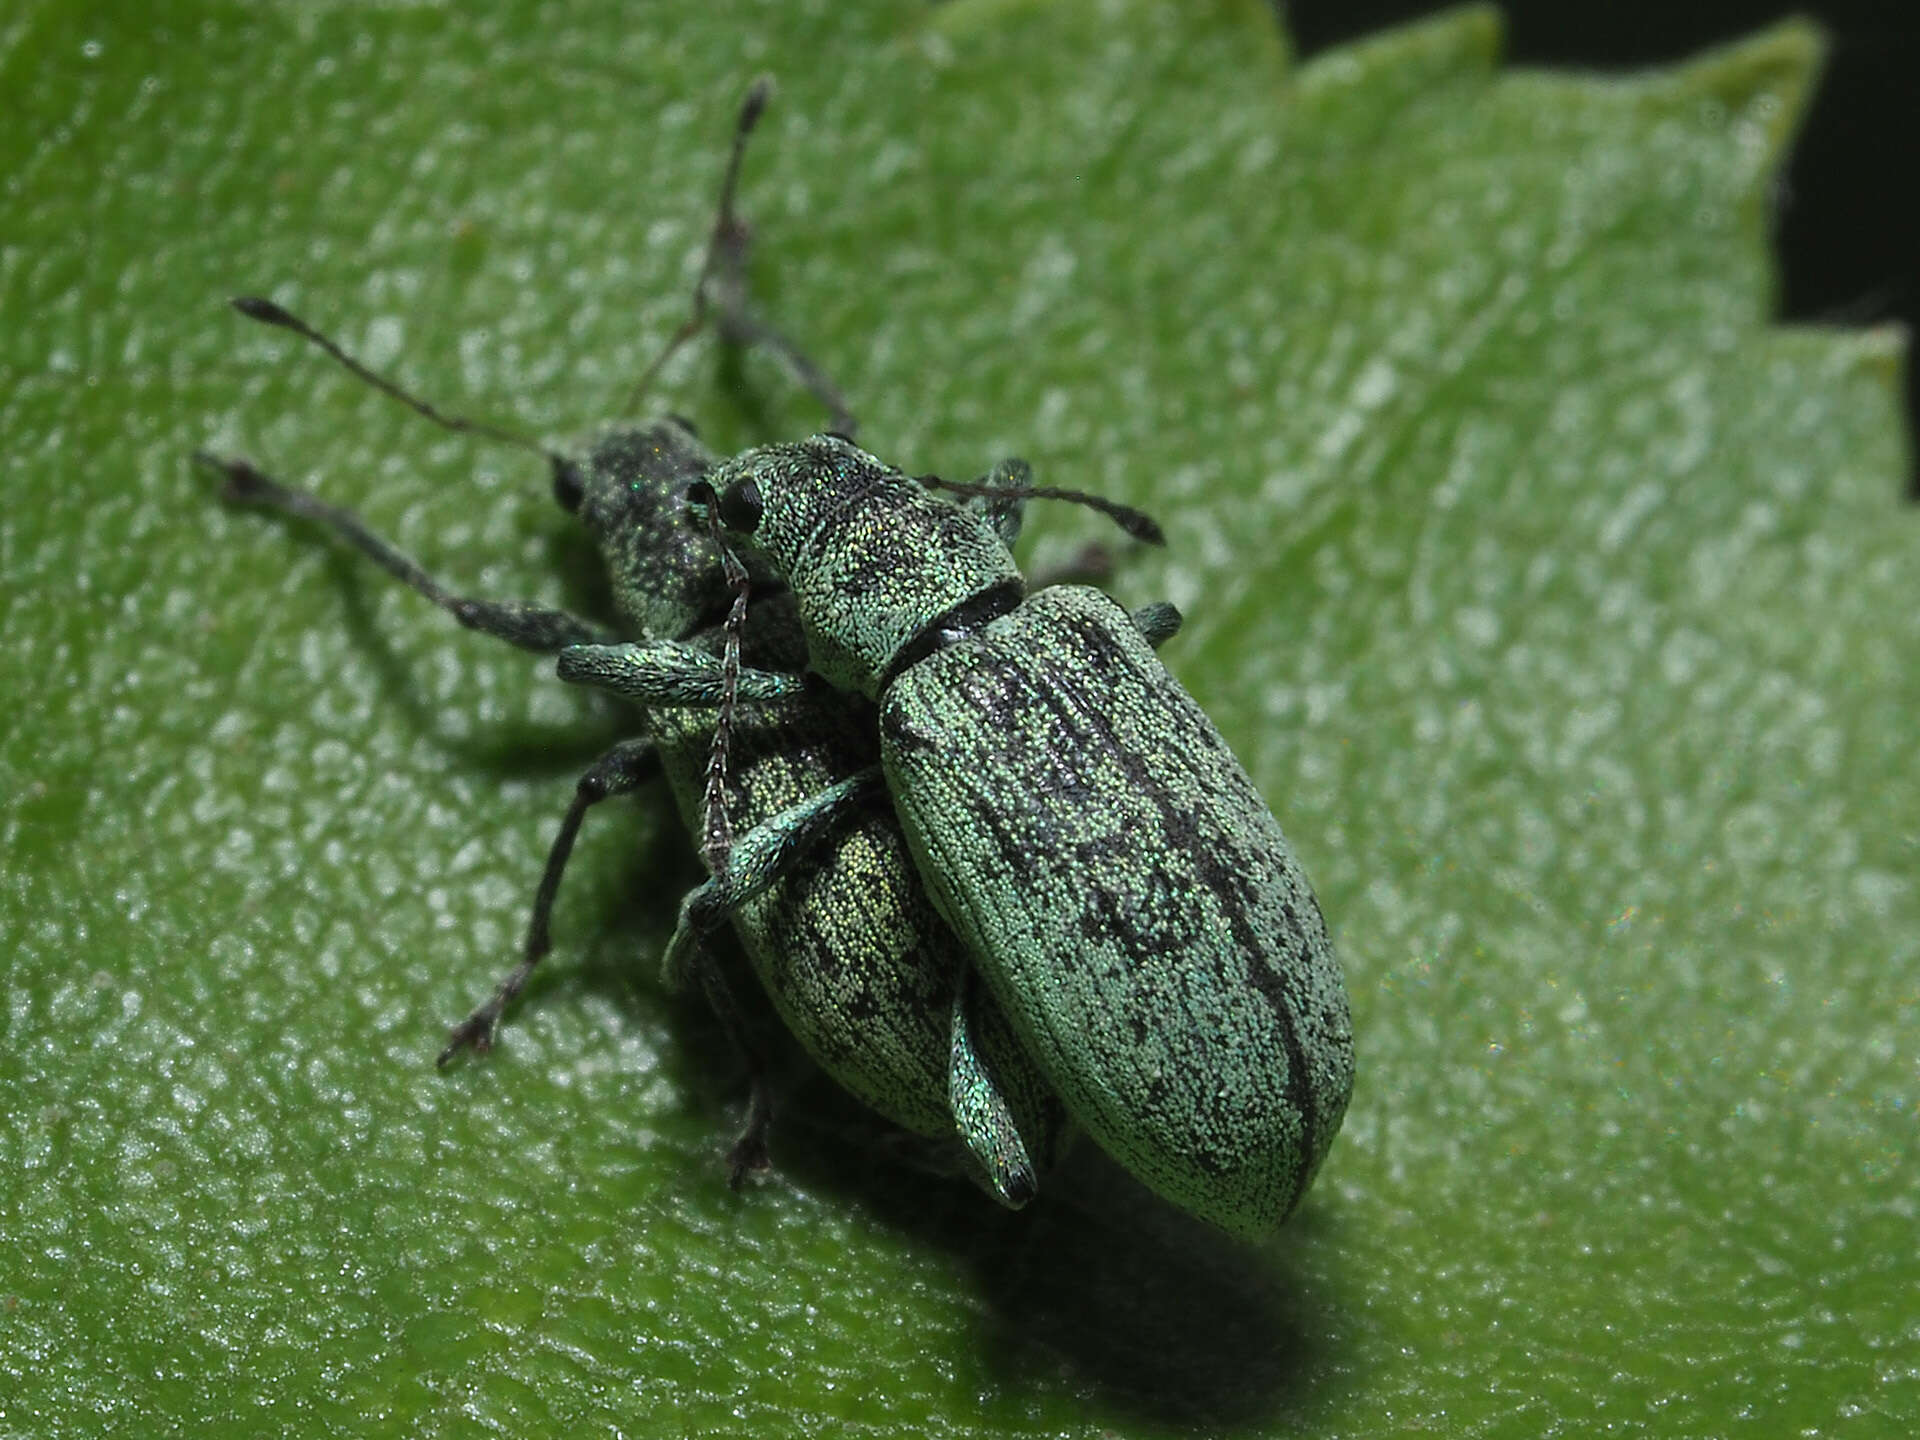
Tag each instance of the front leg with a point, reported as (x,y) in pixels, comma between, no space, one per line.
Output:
(622,770)
(986,1121)
(668,673)
(538,628)
(758,860)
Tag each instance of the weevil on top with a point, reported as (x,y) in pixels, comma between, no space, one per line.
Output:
(825,898)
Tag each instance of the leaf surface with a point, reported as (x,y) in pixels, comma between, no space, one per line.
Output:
(1561,604)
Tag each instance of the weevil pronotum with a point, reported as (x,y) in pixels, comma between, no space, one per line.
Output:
(857,963)
(1118,881)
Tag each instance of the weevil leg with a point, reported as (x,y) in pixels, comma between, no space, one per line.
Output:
(1158,623)
(531,627)
(623,769)
(748,1153)
(722,288)
(986,1122)
(741,324)
(757,860)
(668,673)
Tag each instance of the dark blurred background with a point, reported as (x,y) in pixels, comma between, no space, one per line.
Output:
(1849,218)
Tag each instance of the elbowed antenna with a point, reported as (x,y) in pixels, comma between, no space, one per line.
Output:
(267,312)
(1137,523)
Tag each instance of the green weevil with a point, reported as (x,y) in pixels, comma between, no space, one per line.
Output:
(1119,883)
(858,965)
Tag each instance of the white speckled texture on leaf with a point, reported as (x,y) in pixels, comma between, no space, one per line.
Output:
(1561,604)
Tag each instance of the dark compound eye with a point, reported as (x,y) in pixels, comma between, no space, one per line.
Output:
(568,488)
(740,507)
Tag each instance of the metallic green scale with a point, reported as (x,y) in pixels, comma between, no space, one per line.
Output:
(1119,882)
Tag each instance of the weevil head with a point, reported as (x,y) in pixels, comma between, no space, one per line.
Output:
(630,494)
(873,559)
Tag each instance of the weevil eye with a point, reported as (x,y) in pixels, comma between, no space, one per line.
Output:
(568,488)
(740,507)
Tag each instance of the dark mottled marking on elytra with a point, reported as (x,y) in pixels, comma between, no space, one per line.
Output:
(1128,897)
(1103,920)
(1222,871)
(1091,731)
(1217,873)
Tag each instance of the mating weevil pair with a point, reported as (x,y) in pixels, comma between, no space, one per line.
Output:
(1151,953)
(1117,881)
(847,945)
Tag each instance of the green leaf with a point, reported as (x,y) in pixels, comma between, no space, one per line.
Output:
(1561,604)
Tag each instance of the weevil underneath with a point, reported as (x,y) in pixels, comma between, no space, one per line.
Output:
(843,937)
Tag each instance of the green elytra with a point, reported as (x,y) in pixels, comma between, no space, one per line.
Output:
(821,891)
(1121,886)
